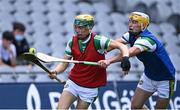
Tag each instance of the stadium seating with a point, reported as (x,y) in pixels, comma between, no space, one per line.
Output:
(43,78)
(7,79)
(24,78)
(49,26)
(86,8)
(6,6)
(22,5)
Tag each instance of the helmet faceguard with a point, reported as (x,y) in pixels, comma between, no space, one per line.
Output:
(141,18)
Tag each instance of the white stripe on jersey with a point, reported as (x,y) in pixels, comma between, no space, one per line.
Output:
(125,37)
(142,44)
(68,48)
(103,41)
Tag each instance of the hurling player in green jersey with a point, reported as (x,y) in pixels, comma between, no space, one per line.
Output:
(84,80)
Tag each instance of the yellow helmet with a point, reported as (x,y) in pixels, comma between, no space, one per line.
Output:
(140,17)
(84,20)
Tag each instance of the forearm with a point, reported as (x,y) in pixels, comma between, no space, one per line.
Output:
(124,51)
(118,57)
(114,59)
(12,58)
(13,61)
(61,67)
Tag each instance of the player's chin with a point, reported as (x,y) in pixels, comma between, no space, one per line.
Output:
(131,30)
(80,37)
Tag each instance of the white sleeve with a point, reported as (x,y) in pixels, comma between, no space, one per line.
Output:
(68,49)
(13,50)
(104,42)
(125,37)
(101,43)
(145,44)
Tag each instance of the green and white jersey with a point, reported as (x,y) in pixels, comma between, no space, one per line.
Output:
(101,44)
(143,43)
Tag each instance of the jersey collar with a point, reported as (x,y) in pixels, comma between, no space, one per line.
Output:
(87,40)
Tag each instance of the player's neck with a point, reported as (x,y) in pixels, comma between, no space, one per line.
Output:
(86,39)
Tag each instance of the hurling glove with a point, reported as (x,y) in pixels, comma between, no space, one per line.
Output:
(125,64)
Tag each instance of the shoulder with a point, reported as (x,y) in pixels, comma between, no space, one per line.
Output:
(68,48)
(145,40)
(99,37)
(101,43)
(13,46)
(101,40)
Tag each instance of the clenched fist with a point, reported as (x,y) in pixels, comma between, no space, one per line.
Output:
(125,64)
(52,74)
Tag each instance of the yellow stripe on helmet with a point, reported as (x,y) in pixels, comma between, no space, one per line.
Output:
(84,20)
(84,17)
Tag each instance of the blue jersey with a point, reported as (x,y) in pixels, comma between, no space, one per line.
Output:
(158,65)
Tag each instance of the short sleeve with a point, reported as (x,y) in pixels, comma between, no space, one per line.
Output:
(14,50)
(145,44)
(68,50)
(101,43)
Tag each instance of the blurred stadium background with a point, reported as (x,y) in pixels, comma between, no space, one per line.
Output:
(49,25)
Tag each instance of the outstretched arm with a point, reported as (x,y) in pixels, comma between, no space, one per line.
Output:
(125,64)
(61,67)
(140,45)
(133,51)
(118,45)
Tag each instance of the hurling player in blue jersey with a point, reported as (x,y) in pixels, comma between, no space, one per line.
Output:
(159,72)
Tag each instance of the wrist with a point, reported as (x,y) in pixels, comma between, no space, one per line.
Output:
(108,62)
(55,72)
(125,58)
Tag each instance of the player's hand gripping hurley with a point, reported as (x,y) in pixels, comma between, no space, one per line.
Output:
(31,57)
(37,57)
